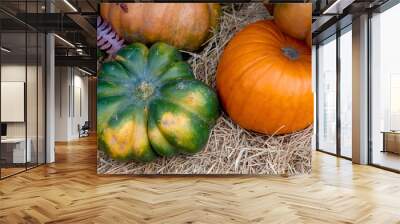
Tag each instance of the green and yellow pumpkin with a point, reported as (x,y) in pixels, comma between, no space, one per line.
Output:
(150,104)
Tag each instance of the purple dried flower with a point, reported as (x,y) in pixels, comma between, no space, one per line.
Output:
(107,39)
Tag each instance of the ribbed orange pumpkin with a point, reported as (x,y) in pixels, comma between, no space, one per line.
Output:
(183,25)
(293,19)
(264,80)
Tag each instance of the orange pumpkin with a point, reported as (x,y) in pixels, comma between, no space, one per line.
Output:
(264,80)
(293,19)
(183,25)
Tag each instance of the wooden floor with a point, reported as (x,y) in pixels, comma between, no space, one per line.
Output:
(10,171)
(387,159)
(69,191)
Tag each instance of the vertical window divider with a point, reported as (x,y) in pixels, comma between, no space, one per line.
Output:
(69,93)
(338,100)
(60,88)
(45,93)
(0,93)
(46,35)
(369,90)
(80,102)
(73,91)
(316,97)
(26,87)
(37,89)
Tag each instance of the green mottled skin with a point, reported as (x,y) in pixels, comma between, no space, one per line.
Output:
(99,53)
(150,104)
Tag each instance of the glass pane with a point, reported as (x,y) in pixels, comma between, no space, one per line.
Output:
(41,98)
(346,93)
(13,87)
(32,88)
(386,89)
(31,98)
(23,87)
(327,96)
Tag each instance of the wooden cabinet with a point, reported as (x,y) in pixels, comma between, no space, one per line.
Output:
(391,142)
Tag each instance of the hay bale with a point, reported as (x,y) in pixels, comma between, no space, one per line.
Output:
(231,149)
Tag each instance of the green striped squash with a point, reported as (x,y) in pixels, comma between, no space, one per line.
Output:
(149,104)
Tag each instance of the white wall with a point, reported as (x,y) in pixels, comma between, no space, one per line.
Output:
(80,103)
(71,94)
(62,81)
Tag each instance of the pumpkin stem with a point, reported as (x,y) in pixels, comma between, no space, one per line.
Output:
(144,90)
(290,53)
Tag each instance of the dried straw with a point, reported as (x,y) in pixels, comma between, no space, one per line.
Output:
(231,149)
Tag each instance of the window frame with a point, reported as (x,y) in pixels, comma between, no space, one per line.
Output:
(334,37)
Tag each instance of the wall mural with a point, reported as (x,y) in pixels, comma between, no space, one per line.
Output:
(204,88)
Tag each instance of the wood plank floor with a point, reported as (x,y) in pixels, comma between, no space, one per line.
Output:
(10,171)
(69,191)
